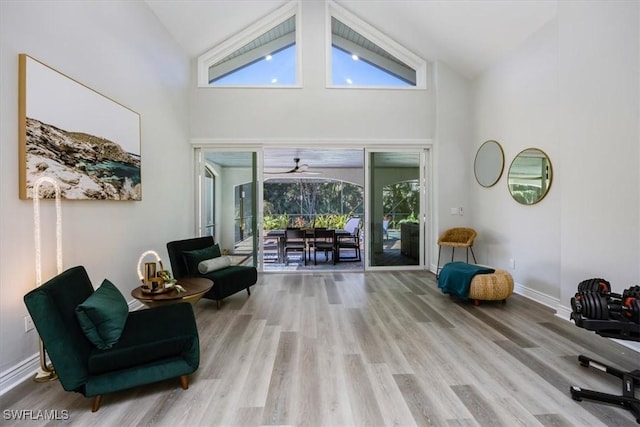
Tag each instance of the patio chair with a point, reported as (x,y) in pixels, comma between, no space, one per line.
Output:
(295,241)
(271,249)
(352,225)
(350,242)
(325,241)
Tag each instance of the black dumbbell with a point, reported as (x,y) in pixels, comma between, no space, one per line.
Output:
(631,303)
(591,305)
(594,306)
(630,309)
(594,285)
(633,291)
(594,300)
(603,287)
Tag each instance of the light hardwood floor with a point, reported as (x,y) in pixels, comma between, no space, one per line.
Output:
(364,349)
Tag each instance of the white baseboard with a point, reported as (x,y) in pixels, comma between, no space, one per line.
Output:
(19,373)
(563,312)
(536,296)
(635,346)
(29,367)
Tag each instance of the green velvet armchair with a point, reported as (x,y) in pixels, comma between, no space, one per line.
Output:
(96,346)
(185,255)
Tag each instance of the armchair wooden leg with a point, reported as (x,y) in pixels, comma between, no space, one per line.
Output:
(96,403)
(184,382)
(248,291)
(218,303)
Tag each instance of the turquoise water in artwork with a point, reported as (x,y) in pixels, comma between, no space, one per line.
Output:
(110,170)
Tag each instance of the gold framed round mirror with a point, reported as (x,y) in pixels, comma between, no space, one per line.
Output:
(489,163)
(530,176)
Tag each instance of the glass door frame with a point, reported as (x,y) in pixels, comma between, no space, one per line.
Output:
(425,215)
(256,181)
(424,148)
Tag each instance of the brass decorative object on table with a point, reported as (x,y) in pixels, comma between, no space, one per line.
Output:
(194,289)
(156,280)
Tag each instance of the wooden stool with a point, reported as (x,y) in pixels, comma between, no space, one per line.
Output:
(491,287)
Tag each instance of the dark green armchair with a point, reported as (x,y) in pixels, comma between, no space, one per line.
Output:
(185,255)
(97,348)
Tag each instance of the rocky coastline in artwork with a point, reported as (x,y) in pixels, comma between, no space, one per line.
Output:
(85,166)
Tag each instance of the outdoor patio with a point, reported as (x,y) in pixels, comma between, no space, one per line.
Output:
(391,256)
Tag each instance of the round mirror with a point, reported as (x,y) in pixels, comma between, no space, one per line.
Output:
(530,176)
(489,163)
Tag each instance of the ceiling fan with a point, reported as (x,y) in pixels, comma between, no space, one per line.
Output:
(298,168)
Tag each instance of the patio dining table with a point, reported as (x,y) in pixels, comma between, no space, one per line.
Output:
(309,233)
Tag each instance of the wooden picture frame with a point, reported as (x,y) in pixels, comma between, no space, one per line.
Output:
(87,142)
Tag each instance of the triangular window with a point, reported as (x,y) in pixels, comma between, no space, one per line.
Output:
(264,55)
(363,57)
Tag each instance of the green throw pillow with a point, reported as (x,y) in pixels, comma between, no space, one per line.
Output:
(193,258)
(103,315)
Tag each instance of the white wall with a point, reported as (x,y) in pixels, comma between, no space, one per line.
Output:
(119,49)
(311,112)
(516,104)
(573,92)
(598,104)
(453,155)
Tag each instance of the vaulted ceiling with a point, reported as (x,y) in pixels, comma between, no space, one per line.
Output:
(468,35)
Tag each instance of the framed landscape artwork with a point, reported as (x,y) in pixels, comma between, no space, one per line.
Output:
(87,142)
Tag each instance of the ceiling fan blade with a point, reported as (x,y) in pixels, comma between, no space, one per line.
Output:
(280,172)
(298,168)
(299,172)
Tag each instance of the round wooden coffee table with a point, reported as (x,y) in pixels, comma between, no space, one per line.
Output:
(195,287)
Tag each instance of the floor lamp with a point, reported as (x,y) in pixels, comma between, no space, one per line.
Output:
(46,371)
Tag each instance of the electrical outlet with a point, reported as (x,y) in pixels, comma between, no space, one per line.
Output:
(513,263)
(28,323)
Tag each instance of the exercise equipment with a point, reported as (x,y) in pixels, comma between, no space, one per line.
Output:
(596,308)
(595,300)
(594,285)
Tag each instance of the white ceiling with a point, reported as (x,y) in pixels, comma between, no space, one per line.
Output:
(468,35)
(282,159)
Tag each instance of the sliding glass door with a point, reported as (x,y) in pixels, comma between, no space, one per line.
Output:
(228,201)
(394,215)
(396,208)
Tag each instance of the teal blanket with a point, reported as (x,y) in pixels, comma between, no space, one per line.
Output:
(455,277)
